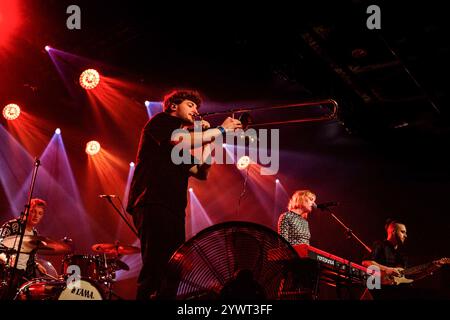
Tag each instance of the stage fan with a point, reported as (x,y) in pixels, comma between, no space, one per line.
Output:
(234,260)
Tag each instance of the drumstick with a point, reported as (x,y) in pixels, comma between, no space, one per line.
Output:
(50,276)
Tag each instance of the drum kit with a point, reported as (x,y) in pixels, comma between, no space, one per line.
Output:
(82,277)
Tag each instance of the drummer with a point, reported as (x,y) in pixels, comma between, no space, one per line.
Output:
(26,264)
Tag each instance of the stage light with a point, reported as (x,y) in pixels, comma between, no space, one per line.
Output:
(191,189)
(11,111)
(58,131)
(131,164)
(224,145)
(92,147)
(243,162)
(89,79)
(47,48)
(277,181)
(147,103)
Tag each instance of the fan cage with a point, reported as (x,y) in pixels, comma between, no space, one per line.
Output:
(221,257)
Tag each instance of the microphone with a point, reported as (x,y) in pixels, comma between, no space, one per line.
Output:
(198,117)
(107,196)
(245,119)
(202,115)
(325,205)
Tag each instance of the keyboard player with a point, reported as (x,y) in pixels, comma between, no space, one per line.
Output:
(293,225)
(301,278)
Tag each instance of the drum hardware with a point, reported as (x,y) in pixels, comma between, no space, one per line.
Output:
(116,249)
(97,276)
(44,289)
(24,215)
(30,245)
(39,244)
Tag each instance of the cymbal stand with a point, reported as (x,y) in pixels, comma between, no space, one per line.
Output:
(23,221)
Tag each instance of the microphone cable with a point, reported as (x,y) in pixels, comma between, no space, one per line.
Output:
(244,190)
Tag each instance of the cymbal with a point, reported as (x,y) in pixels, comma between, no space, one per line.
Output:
(115,248)
(42,245)
(118,264)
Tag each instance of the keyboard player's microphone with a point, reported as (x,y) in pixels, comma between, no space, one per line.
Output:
(325,205)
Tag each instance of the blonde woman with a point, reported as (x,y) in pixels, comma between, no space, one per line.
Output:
(293,224)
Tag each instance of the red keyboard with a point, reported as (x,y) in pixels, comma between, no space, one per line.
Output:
(333,267)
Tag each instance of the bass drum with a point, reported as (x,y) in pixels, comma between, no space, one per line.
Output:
(87,290)
(91,266)
(44,289)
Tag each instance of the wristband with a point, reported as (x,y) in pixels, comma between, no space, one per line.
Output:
(222,130)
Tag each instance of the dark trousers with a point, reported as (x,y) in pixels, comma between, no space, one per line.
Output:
(161,232)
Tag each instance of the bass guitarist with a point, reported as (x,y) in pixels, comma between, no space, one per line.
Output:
(395,280)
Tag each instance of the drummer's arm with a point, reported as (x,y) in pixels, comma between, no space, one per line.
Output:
(3,258)
(4,232)
(41,268)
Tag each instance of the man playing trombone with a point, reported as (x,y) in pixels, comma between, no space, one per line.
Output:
(158,192)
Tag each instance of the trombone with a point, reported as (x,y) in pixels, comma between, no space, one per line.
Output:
(247,121)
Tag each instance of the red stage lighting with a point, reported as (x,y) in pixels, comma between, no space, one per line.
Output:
(89,79)
(11,111)
(243,162)
(92,148)
(10,19)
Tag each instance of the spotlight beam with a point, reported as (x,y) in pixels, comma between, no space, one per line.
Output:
(199,218)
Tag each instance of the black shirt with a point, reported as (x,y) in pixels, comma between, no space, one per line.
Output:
(383,252)
(156,179)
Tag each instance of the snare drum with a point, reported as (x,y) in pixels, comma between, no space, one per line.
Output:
(90,265)
(44,289)
(40,289)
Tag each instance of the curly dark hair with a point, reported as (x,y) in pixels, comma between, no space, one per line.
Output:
(178,96)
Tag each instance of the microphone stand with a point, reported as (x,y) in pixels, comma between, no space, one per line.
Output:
(349,231)
(122,216)
(23,222)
